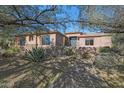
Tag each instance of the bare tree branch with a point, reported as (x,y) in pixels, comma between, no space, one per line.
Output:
(52,8)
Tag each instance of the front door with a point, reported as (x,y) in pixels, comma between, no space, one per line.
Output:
(73,41)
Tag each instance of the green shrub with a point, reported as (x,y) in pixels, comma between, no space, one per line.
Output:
(3,84)
(86,55)
(104,49)
(69,51)
(8,53)
(15,49)
(118,42)
(115,50)
(4,44)
(35,55)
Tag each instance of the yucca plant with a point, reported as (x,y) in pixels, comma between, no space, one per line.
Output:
(35,55)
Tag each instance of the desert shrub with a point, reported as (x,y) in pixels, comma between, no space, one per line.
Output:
(109,60)
(104,49)
(3,84)
(10,52)
(118,42)
(114,50)
(58,51)
(120,67)
(15,49)
(86,55)
(4,44)
(35,55)
(53,52)
(69,51)
(48,52)
(86,52)
(104,60)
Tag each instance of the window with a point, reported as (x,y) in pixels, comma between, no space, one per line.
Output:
(89,41)
(46,40)
(22,41)
(31,38)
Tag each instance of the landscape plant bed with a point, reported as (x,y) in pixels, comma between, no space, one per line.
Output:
(64,71)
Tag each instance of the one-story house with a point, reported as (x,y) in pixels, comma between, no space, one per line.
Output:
(42,39)
(78,39)
(73,39)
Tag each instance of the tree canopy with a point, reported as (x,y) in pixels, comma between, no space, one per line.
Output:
(104,18)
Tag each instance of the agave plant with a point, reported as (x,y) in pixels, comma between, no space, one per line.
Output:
(35,55)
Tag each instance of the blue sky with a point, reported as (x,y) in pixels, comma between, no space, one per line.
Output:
(101,11)
(73,14)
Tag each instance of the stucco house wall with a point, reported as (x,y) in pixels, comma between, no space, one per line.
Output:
(56,39)
(98,41)
(31,44)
